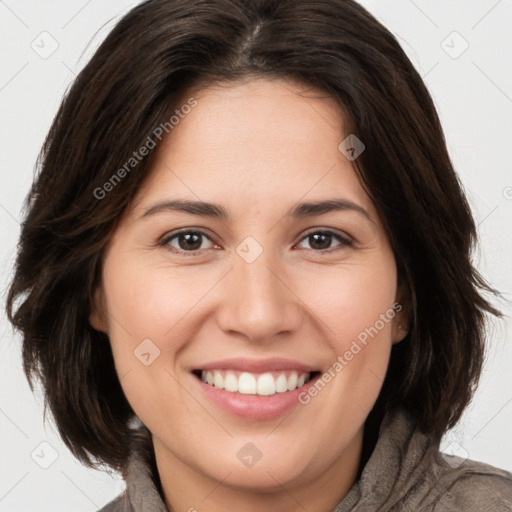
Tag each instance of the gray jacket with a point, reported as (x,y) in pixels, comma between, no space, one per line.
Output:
(405,473)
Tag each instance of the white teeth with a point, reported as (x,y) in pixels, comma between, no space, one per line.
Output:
(246,383)
(281,384)
(266,384)
(292,381)
(218,380)
(231,383)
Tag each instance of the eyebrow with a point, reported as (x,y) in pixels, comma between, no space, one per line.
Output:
(300,210)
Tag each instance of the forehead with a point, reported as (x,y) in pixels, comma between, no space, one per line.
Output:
(262,141)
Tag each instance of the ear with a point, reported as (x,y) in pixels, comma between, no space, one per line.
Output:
(97,317)
(400,327)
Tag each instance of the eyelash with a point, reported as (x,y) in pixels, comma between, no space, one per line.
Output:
(344,241)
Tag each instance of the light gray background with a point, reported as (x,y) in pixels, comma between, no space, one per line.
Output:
(473,94)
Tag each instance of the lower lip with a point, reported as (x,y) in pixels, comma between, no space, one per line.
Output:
(255,407)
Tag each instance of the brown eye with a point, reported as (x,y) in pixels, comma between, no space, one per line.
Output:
(322,240)
(185,241)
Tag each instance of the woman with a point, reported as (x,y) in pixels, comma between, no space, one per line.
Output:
(245,272)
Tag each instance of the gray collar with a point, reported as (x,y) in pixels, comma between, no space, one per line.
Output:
(405,470)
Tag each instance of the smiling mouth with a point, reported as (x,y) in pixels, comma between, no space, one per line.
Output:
(262,384)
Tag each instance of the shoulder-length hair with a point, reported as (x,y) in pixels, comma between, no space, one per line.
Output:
(132,85)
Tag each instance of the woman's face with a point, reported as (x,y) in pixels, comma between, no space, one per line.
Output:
(253,299)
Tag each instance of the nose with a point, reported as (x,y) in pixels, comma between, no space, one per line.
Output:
(258,301)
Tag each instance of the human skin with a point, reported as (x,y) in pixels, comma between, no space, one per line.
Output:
(256,148)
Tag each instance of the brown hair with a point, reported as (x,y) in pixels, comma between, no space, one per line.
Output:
(155,54)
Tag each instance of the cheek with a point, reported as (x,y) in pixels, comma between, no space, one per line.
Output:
(148,306)
(150,302)
(352,301)
(355,304)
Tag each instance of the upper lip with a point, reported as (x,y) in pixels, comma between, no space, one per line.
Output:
(257,365)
